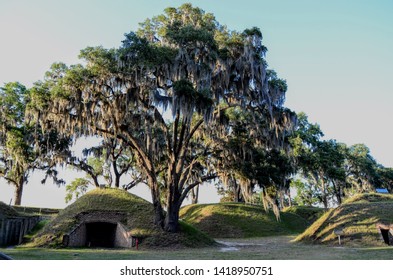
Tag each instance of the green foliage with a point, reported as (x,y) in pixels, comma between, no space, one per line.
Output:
(138,51)
(279,84)
(16,138)
(321,163)
(363,175)
(76,188)
(385,177)
(97,165)
(185,89)
(332,170)
(308,133)
(39,97)
(306,194)
(100,60)
(189,35)
(23,145)
(17,146)
(185,62)
(13,98)
(255,31)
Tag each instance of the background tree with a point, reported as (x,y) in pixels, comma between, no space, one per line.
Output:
(321,161)
(23,146)
(331,171)
(104,166)
(361,169)
(163,92)
(307,194)
(385,178)
(16,154)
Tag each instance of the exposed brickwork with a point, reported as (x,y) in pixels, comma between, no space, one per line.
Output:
(123,238)
(77,236)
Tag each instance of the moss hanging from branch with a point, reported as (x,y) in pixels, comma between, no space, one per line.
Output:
(164,94)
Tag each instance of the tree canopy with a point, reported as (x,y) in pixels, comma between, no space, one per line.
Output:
(163,94)
(332,170)
(23,146)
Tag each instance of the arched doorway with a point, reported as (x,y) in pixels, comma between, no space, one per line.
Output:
(100,234)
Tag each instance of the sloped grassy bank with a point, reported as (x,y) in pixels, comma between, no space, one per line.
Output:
(309,213)
(356,219)
(7,211)
(139,221)
(236,220)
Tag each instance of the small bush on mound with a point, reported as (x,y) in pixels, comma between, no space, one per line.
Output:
(235,220)
(309,213)
(139,219)
(356,218)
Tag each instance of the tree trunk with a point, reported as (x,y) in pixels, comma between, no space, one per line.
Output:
(117,181)
(195,195)
(282,199)
(171,223)
(337,192)
(237,193)
(324,192)
(158,211)
(117,175)
(18,192)
(95,181)
(289,198)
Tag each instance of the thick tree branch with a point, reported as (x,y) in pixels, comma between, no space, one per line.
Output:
(193,185)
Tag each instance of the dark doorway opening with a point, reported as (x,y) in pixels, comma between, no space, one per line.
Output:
(100,234)
(385,235)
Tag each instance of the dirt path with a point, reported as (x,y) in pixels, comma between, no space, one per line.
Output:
(282,247)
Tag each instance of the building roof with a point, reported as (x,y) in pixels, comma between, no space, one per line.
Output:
(381,190)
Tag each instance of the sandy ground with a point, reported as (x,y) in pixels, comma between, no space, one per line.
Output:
(282,247)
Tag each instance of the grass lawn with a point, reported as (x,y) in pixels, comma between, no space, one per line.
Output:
(268,248)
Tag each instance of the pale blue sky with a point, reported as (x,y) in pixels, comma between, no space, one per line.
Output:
(336,56)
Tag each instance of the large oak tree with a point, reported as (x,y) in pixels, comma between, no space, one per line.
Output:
(163,93)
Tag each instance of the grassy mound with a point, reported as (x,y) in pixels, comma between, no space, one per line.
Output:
(309,213)
(356,218)
(235,220)
(369,197)
(7,211)
(139,219)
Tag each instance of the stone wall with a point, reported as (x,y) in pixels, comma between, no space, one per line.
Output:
(12,230)
(77,237)
(123,238)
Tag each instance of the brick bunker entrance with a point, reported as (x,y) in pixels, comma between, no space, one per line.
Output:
(100,234)
(99,229)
